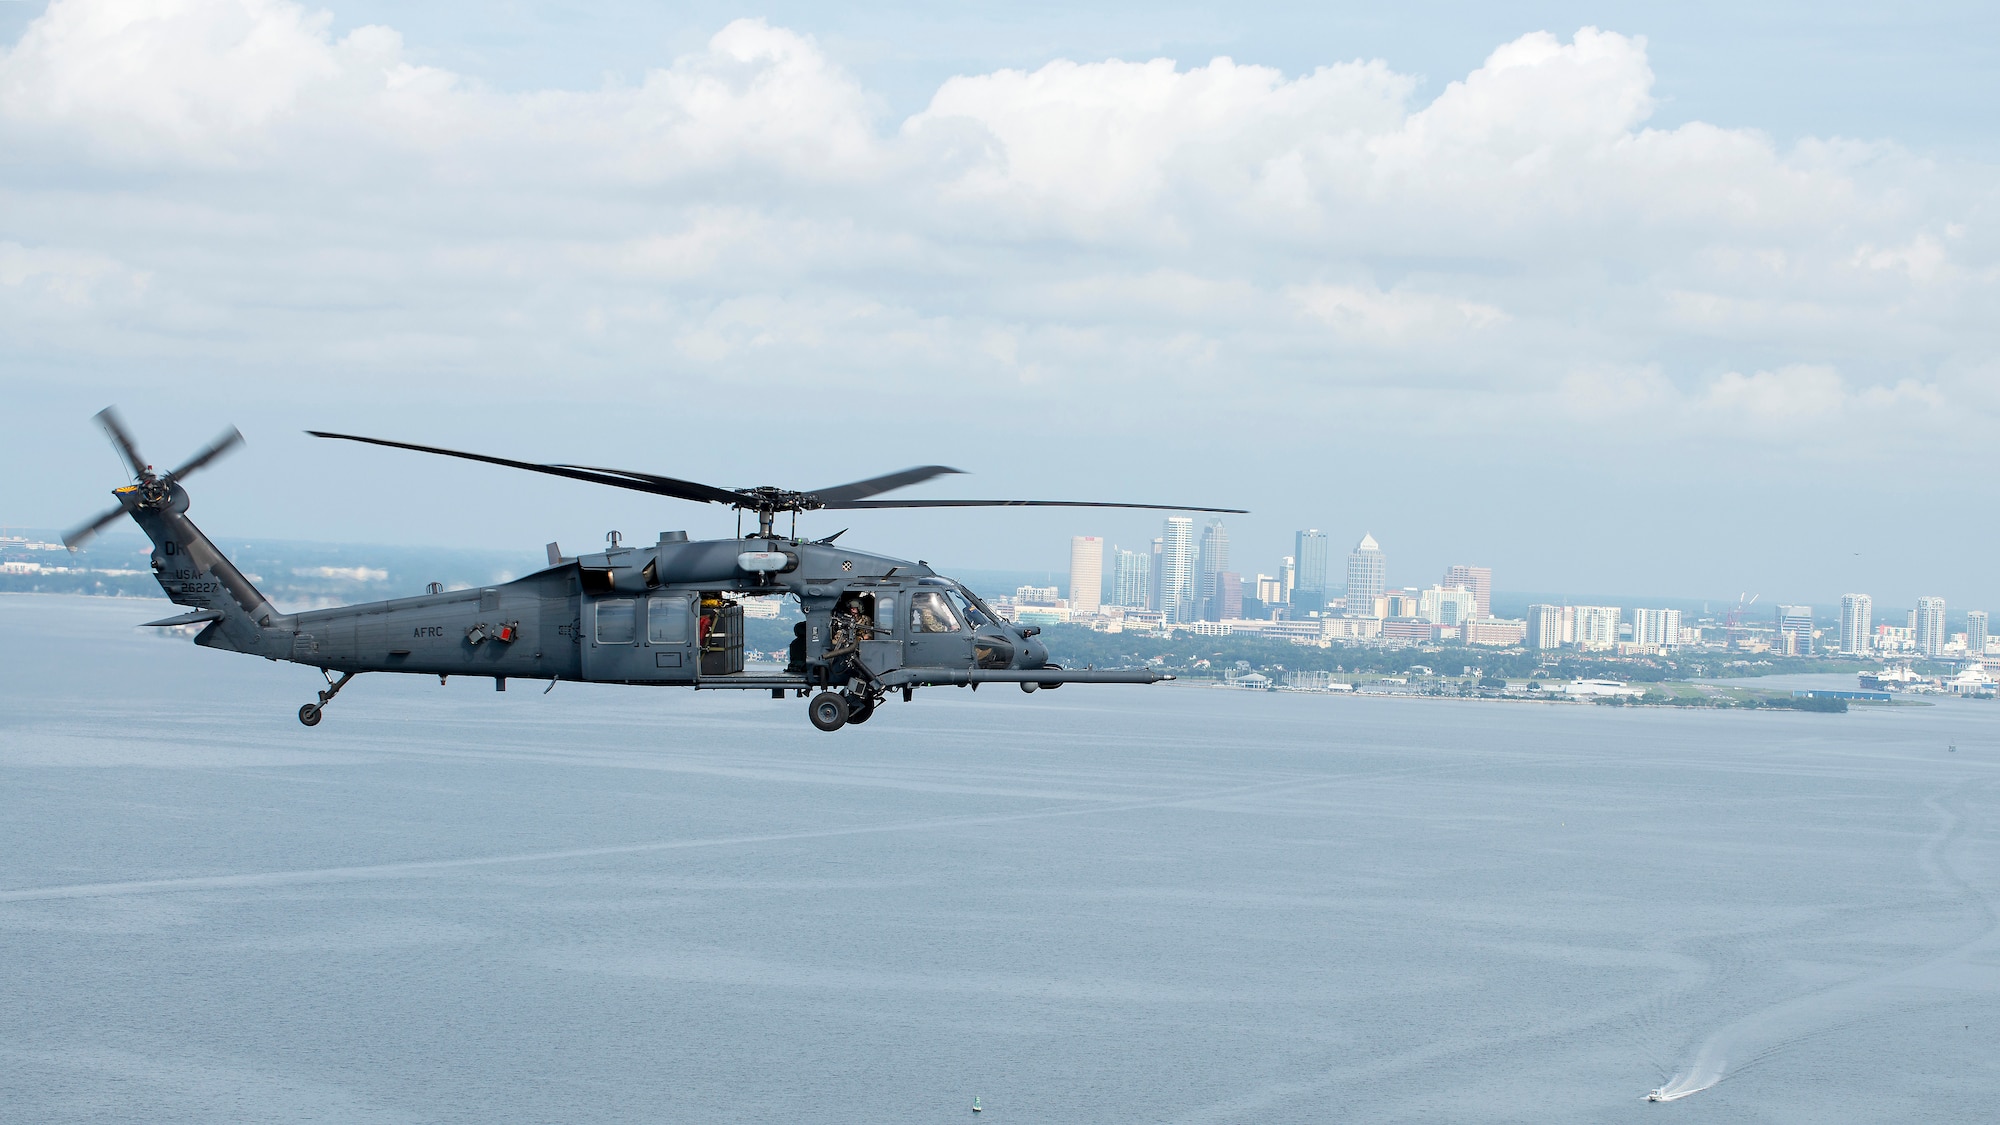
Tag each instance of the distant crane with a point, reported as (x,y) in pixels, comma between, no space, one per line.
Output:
(1733,621)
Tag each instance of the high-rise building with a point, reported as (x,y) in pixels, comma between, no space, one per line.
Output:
(1309,579)
(1177,575)
(1226,604)
(1597,626)
(1086,574)
(1131,579)
(1930,626)
(1658,628)
(1551,626)
(1159,573)
(1975,633)
(1795,629)
(1288,577)
(1213,560)
(1442,605)
(1479,580)
(1270,590)
(1367,575)
(1857,623)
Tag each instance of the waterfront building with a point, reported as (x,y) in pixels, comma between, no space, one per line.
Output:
(1367,574)
(1929,626)
(1795,630)
(1131,579)
(1086,574)
(1597,627)
(1551,626)
(1656,628)
(1479,580)
(1310,571)
(1975,634)
(1177,575)
(1857,612)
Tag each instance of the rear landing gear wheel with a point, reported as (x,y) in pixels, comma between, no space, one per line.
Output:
(828,711)
(310,714)
(859,709)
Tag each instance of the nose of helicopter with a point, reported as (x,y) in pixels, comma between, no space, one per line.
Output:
(1034,654)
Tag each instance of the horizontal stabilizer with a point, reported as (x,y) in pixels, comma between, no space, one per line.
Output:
(192,617)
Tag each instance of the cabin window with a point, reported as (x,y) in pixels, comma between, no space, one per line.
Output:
(930,612)
(617,621)
(668,620)
(885,613)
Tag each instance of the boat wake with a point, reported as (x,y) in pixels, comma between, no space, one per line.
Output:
(1705,1073)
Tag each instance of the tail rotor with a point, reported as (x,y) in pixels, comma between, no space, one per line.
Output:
(148,487)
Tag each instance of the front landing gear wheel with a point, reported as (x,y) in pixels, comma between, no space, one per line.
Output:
(310,714)
(828,711)
(859,709)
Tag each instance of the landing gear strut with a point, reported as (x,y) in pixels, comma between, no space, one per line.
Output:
(311,713)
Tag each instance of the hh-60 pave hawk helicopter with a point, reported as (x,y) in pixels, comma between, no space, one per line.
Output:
(659,614)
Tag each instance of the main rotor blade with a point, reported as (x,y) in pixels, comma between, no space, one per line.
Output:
(852,504)
(637,482)
(114,427)
(673,486)
(887,482)
(78,536)
(209,452)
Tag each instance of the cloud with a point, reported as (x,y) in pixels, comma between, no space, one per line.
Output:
(229,182)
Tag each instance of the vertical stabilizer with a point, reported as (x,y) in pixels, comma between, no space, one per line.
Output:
(194,572)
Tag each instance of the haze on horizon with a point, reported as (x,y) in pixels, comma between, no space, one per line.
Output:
(1609,298)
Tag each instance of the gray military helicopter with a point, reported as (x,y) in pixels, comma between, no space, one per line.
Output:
(665,613)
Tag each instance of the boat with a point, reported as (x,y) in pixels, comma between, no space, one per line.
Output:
(1657,1095)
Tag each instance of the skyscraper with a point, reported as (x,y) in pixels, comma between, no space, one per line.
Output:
(1597,626)
(1131,579)
(1795,628)
(1975,634)
(1086,574)
(1551,626)
(1659,628)
(1930,626)
(1479,580)
(1367,576)
(1213,561)
(1159,573)
(1226,604)
(1288,578)
(1177,575)
(1857,623)
(1309,552)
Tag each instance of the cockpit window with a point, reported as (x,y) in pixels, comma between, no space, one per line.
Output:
(931,612)
(969,610)
(978,612)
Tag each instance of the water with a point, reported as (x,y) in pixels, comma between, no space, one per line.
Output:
(1156,904)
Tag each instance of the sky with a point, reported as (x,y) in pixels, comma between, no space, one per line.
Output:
(1680,300)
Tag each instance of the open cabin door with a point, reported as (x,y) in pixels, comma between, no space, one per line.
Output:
(639,638)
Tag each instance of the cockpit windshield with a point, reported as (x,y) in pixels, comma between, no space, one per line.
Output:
(975,610)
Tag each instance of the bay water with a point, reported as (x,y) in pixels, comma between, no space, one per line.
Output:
(1158,904)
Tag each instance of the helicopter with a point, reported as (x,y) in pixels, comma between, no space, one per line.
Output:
(662,614)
